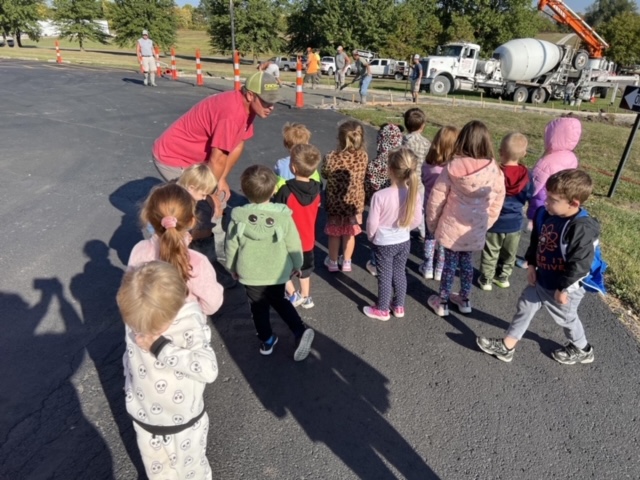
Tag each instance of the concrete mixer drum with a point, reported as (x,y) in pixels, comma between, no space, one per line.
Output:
(524,59)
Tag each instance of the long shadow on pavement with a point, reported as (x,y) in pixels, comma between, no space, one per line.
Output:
(336,397)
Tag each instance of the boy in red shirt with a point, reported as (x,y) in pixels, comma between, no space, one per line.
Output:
(302,195)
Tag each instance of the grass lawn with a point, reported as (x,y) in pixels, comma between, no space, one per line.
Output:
(599,152)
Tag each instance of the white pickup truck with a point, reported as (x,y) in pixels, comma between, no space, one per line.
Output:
(387,67)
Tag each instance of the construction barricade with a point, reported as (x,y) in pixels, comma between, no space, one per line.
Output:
(236,71)
(58,55)
(299,94)
(158,67)
(199,79)
(174,71)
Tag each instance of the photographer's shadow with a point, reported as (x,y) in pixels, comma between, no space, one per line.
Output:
(43,431)
(335,396)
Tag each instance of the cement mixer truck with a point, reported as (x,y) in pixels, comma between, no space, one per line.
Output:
(524,69)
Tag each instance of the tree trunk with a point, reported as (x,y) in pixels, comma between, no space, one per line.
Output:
(18,36)
(81,42)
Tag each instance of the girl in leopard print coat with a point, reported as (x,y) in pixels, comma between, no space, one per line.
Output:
(344,169)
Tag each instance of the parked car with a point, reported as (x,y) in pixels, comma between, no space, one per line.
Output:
(387,67)
(9,42)
(287,63)
(328,66)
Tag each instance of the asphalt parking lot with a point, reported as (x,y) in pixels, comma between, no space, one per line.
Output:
(410,398)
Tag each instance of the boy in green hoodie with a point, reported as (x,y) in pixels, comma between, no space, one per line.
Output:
(263,252)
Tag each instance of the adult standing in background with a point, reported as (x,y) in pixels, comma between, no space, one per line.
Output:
(147,58)
(311,66)
(416,77)
(342,61)
(271,68)
(363,73)
(319,74)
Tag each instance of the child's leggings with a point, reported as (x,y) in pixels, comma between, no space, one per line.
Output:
(391,261)
(451,261)
(430,254)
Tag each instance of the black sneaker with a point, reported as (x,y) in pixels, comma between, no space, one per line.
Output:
(303,345)
(570,354)
(266,348)
(495,347)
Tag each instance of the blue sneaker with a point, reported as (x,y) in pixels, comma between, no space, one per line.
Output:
(266,348)
(296,299)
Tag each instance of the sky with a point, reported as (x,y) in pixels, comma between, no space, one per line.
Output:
(575,5)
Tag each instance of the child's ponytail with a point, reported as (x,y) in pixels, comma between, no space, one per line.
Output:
(403,164)
(170,210)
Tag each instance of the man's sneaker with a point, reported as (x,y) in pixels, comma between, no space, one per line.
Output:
(331,265)
(296,299)
(427,273)
(307,302)
(521,263)
(266,348)
(372,269)
(495,347)
(145,82)
(154,85)
(303,345)
(570,354)
(464,305)
(375,312)
(398,312)
(439,307)
(437,275)
(484,283)
(502,281)
(346,265)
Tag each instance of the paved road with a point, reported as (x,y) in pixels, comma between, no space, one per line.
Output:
(409,398)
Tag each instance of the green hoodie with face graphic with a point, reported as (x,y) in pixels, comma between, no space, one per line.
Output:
(263,245)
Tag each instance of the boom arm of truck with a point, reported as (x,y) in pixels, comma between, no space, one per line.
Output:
(562,14)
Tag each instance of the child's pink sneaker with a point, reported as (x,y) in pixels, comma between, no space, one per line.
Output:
(439,307)
(331,265)
(375,312)
(398,312)
(464,305)
(346,265)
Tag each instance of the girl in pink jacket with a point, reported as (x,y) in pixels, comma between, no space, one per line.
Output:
(465,201)
(170,210)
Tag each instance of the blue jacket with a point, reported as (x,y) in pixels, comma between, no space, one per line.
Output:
(519,187)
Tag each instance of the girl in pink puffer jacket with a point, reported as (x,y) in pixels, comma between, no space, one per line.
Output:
(464,203)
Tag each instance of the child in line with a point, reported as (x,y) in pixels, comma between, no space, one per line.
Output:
(167,364)
(395,211)
(503,238)
(559,257)
(377,177)
(293,134)
(302,195)
(561,137)
(170,210)
(414,121)
(263,252)
(465,201)
(440,152)
(344,169)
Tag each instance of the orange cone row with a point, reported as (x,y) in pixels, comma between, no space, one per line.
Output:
(236,71)
(299,94)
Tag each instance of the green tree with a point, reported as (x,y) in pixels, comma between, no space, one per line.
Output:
(460,29)
(20,16)
(184,17)
(258,26)
(200,17)
(130,17)
(603,11)
(76,20)
(320,24)
(417,29)
(623,34)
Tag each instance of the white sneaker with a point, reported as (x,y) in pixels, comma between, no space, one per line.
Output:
(464,306)
(371,268)
(441,309)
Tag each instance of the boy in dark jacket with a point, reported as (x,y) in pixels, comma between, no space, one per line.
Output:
(560,255)
(302,195)
(499,254)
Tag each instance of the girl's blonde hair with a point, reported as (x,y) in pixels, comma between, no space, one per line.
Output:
(351,135)
(402,165)
(150,297)
(442,146)
(170,210)
(474,141)
(200,177)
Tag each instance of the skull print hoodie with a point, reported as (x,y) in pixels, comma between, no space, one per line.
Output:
(164,387)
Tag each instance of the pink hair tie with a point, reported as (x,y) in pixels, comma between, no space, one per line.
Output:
(169,222)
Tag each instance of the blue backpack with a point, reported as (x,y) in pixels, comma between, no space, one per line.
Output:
(593,282)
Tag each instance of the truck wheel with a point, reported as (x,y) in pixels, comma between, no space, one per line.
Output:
(398,76)
(580,60)
(520,95)
(285,68)
(440,86)
(538,95)
(330,71)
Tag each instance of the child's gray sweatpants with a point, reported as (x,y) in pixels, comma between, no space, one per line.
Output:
(534,298)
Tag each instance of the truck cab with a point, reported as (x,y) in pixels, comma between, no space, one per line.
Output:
(456,60)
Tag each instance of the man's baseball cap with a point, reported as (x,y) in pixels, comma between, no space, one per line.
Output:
(355,52)
(416,56)
(339,47)
(264,85)
(145,32)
